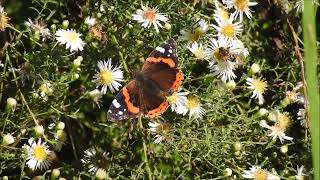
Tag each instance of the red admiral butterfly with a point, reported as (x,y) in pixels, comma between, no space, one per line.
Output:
(146,93)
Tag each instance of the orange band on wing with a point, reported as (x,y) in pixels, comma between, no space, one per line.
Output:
(131,107)
(168,61)
(159,110)
(176,84)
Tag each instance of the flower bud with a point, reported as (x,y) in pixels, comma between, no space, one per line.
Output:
(284,149)
(262,112)
(228,172)
(39,130)
(65,24)
(75,76)
(53,27)
(167,26)
(231,84)
(11,104)
(7,139)
(60,126)
(255,68)
(61,135)
(237,146)
(55,173)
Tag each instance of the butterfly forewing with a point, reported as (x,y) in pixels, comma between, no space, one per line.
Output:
(126,104)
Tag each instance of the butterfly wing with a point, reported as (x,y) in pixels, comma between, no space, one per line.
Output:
(126,104)
(161,67)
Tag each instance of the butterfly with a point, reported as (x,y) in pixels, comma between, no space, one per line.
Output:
(146,94)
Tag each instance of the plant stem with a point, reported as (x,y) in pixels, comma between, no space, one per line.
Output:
(309,38)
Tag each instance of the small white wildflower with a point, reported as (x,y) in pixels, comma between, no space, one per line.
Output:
(228,29)
(149,16)
(70,38)
(220,12)
(45,89)
(223,70)
(177,99)
(196,32)
(277,131)
(39,26)
(193,106)
(108,77)
(95,159)
(255,172)
(259,87)
(241,6)
(302,116)
(161,130)
(38,154)
(228,172)
(197,50)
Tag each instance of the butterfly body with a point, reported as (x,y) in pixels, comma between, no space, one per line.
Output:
(146,93)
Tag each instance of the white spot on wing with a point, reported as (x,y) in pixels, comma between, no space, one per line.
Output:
(125,110)
(160,49)
(109,111)
(170,51)
(115,103)
(120,112)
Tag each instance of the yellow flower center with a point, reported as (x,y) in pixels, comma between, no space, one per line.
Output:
(173,98)
(3,21)
(241,4)
(199,53)
(229,31)
(39,153)
(283,120)
(192,103)
(72,36)
(106,77)
(44,89)
(150,14)
(259,86)
(196,34)
(260,174)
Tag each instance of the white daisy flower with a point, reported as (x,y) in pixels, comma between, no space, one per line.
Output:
(70,38)
(38,154)
(223,70)
(193,106)
(241,6)
(227,29)
(280,118)
(255,172)
(39,26)
(197,50)
(300,175)
(220,12)
(277,131)
(161,130)
(259,87)
(218,50)
(149,16)
(177,99)
(95,159)
(108,77)
(90,21)
(197,31)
